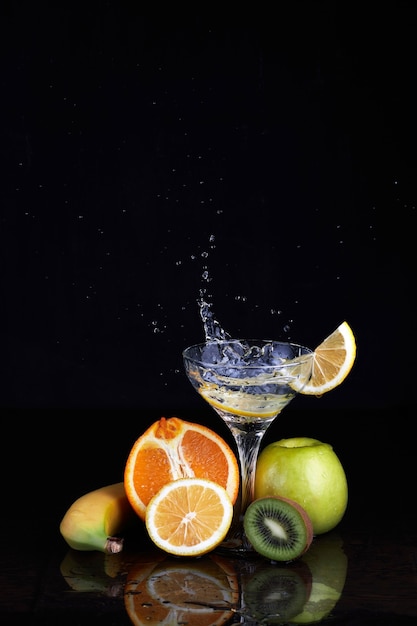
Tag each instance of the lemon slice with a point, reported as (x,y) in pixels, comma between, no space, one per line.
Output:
(189,516)
(244,404)
(333,359)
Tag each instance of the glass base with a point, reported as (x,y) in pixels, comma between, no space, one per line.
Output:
(236,544)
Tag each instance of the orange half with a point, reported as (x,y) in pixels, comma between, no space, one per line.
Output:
(174,448)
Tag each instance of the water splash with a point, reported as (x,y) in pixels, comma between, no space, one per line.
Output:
(211,326)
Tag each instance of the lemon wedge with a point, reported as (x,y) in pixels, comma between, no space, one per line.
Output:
(332,361)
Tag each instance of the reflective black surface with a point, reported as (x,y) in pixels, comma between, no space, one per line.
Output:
(362,572)
(348,577)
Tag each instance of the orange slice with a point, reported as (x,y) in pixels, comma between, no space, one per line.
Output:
(189,516)
(174,448)
(333,360)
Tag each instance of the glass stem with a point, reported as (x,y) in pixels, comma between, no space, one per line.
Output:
(248,439)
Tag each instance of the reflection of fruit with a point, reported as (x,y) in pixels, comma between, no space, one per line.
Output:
(328,566)
(229,567)
(97,572)
(93,520)
(189,516)
(274,594)
(278,528)
(174,448)
(193,592)
(333,360)
(307,471)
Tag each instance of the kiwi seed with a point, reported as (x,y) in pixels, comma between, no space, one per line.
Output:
(278,528)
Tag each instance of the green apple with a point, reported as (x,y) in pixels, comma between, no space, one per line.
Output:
(308,471)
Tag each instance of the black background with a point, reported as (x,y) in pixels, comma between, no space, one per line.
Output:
(265,159)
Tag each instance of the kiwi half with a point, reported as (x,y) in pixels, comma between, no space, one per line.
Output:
(278,528)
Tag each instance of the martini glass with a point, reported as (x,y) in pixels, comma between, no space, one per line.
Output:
(248,383)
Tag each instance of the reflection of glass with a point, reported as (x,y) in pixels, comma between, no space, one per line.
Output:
(248,383)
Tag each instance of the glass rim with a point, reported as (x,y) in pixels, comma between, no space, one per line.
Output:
(307,352)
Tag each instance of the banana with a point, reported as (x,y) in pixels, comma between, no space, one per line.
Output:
(94,521)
